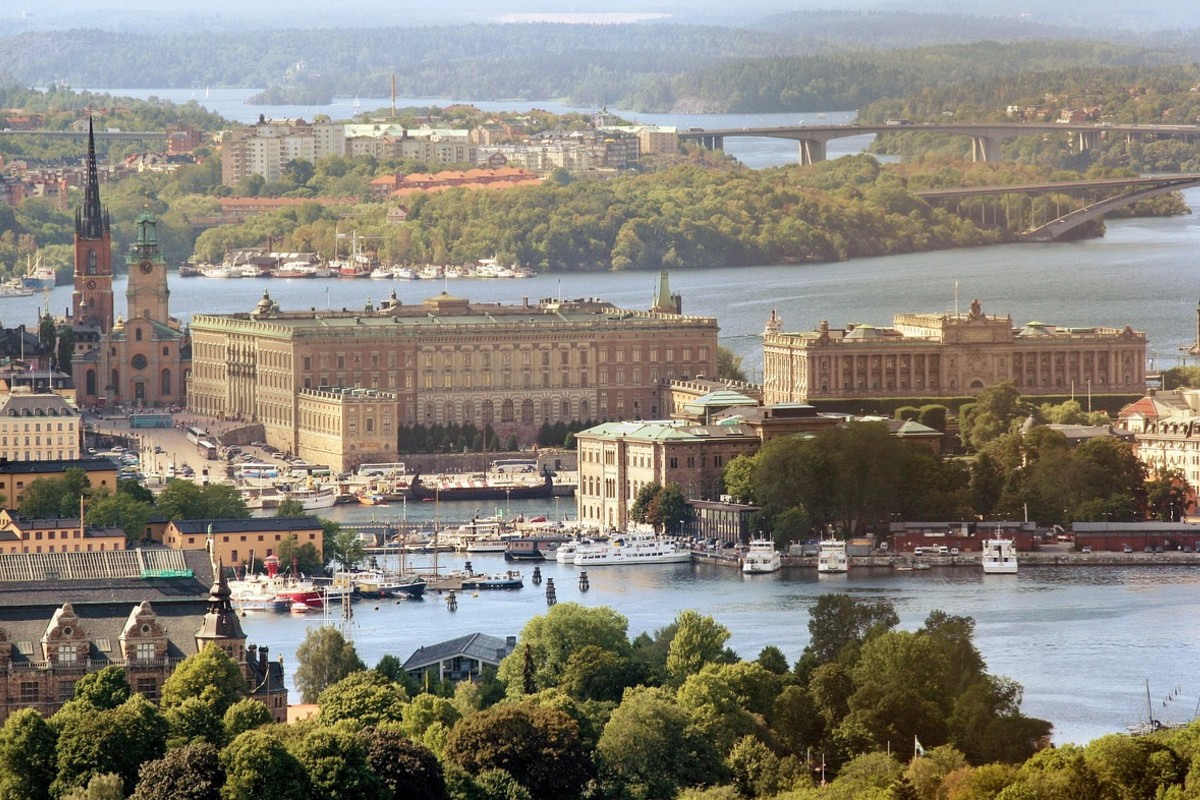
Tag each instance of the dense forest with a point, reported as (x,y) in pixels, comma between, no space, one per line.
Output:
(842,62)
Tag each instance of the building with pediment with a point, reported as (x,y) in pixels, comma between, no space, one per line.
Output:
(948,354)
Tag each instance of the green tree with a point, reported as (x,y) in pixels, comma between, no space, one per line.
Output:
(304,557)
(838,620)
(698,640)
(995,410)
(190,772)
(365,696)
(539,746)
(668,510)
(593,673)
(772,659)
(244,715)
(193,720)
(554,636)
(55,497)
(729,365)
(289,507)
(108,786)
(650,746)
(323,659)
(408,769)
(739,478)
(103,689)
(336,762)
(27,763)
(259,767)
(118,740)
(211,676)
(342,545)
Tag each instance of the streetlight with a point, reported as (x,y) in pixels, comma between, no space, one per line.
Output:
(507,501)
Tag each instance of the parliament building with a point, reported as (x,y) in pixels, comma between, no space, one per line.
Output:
(309,376)
(948,355)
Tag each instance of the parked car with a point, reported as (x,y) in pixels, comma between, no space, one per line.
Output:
(1128,548)
(1087,548)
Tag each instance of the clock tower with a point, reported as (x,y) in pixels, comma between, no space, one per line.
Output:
(147,293)
(92,300)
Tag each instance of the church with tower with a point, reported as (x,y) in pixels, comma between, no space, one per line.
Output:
(142,359)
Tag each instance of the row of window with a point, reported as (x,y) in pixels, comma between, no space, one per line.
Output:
(37,428)
(66,548)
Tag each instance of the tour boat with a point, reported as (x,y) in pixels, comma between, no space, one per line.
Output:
(481,487)
(999,557)
(631,548)
(762,557)
(832,557)
(15,288)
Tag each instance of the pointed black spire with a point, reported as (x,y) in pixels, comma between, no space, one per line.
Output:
(91,223)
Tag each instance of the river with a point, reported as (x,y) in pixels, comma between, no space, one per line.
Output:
(1082,641)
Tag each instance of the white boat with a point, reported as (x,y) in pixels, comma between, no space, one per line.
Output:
(405,274)
(38,275)
(382,273)
(832,557)
(631,548)
(15,288)
(761,557)
(999,557)
(310,497)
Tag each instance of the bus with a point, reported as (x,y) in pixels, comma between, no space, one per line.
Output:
(150,419)
(194,435)
(207,449)
(256,471)
(382,470)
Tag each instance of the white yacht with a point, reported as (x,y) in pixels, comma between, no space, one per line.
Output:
(762,557)
(631,548)
(999,557)
(832,557)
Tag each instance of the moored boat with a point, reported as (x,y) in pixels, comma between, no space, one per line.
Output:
(999,557)
(38,275)
(832,557)
(535,548)
(761,557)
(481,487)
(632,548)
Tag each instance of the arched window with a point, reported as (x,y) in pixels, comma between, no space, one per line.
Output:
(137,335)
(489,412)
(566,410)
(506,411)
(583,409)
(90,268)
(527,411)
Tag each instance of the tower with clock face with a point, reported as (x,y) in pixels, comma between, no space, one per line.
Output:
(92,300)
(147,294)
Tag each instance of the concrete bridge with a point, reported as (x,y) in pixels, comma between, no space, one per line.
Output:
(985,136)
(1142,188)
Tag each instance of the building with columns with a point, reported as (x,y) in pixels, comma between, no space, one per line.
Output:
(445,360)
(948,355)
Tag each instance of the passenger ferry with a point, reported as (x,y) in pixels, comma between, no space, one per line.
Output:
(999,557)
(631,548)
(761,557)
(832,557)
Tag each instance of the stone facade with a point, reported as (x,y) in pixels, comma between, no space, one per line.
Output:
(344,427)
(948,355)
(618,459)
(242,541)
(450,360)
(63,616)
(37,427)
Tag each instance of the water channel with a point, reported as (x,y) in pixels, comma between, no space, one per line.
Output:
(1083,641)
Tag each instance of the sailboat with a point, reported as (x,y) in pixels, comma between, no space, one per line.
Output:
(38,275)
(1151,724)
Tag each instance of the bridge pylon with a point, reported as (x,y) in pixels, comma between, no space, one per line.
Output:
(985,149)
(812,151)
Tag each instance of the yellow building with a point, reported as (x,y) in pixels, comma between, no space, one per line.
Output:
(38,427)
(343,428)
(21,535)
(618,459)
(15,476)
(948,355)
(242,541)
(447,360)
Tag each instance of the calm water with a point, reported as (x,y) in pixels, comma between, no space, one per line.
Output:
(1082,641)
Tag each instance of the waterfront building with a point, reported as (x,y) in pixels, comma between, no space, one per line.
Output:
(15,476)
(243,541)
(56,535)
(948,354)
(618,459)
(38,426)
(143,611)
(1166,432)
(448,360)
(142,360)
(459,659)
(343,427)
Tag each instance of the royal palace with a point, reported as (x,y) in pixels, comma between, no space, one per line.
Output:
(948,355)
(357,376)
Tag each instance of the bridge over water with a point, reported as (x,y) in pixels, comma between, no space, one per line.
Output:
(985,136)
(1104,196)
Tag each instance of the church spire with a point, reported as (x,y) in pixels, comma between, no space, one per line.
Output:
(91,222)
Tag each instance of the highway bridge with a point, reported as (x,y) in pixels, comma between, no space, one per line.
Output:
(1107,194)
(985,136)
